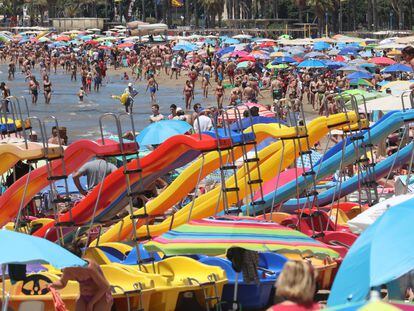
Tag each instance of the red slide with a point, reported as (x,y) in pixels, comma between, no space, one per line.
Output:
(114,185)
(75,155)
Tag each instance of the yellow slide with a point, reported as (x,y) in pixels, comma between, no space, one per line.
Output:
(210,203)
(186,181)
(13,151)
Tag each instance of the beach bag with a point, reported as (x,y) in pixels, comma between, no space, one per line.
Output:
(57,300)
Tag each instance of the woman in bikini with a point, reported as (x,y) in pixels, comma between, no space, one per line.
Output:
(34,89)
(95,291)
(47,89)
(188,93)
(219,94)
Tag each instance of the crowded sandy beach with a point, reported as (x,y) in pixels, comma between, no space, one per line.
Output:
(150,169)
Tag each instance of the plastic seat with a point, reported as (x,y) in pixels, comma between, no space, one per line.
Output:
(32,306)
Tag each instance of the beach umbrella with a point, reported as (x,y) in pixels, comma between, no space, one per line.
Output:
(244,65)
(283,60)
(239,53)
(211,236)
(333,52)
(349,50)
(92,42)
(225,50)
(188,47)
(315,55)
(382,253)
(278,54)
(362,221)
(312,63)
(278,66)
(397,85)
(334,65)
(19,248)
(231,41)
(397,68)
(321,45)
(44,39)
(351,68)
(158,132)
(375,305)
(242,37)
(62,38)
(360,82)
(382,61)
(359,75)
(339,58)
(124,45)
(246,58)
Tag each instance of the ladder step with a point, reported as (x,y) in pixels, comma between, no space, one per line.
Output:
(251,160)
(143,238)
(318,235)
(135,171)
(207,284)
(65,224)
(57,177)
(228,167)
(260,202)
(146,260)
(309,173)
(305,152)
(367,145)
(256,181)
(231,189)
(362,160)
(236,211)
(370,164)
(212,298)
(62,200)
(293,137)
(135,193)
(312,193)
(357,137)
(370,183)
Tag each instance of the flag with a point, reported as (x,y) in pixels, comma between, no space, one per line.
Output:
(177,3)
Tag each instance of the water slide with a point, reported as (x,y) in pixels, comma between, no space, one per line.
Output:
(75,155)
(347,187)
(379,132)
(269,161)
(14,150)
(187,180)
(173,153)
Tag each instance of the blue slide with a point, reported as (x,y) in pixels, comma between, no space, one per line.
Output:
(379,132)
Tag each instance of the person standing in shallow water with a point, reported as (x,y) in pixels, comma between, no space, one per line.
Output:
(47,89)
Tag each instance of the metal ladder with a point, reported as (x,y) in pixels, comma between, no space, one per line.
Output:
(127,174)
(212,283)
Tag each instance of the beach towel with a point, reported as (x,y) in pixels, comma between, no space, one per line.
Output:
(57,300)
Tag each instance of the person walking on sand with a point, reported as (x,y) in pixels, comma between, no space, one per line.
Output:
(153,87)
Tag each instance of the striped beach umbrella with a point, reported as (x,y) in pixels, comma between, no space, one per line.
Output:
(213,236)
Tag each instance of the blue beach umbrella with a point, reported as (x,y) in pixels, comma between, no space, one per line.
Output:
(19,248)
(312,63)
(231,41)
(334,65)
(320,46)
(283,60)
(350,50)
(359,75)
(158,132)
(381,254)
(397,68)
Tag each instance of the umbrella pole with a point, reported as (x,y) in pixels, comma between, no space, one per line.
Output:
(236,283)
(3,278)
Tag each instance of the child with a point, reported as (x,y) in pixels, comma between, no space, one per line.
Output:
(81,94)
(125,77)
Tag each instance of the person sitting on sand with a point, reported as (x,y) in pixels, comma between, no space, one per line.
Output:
(95,291)
(296,285)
